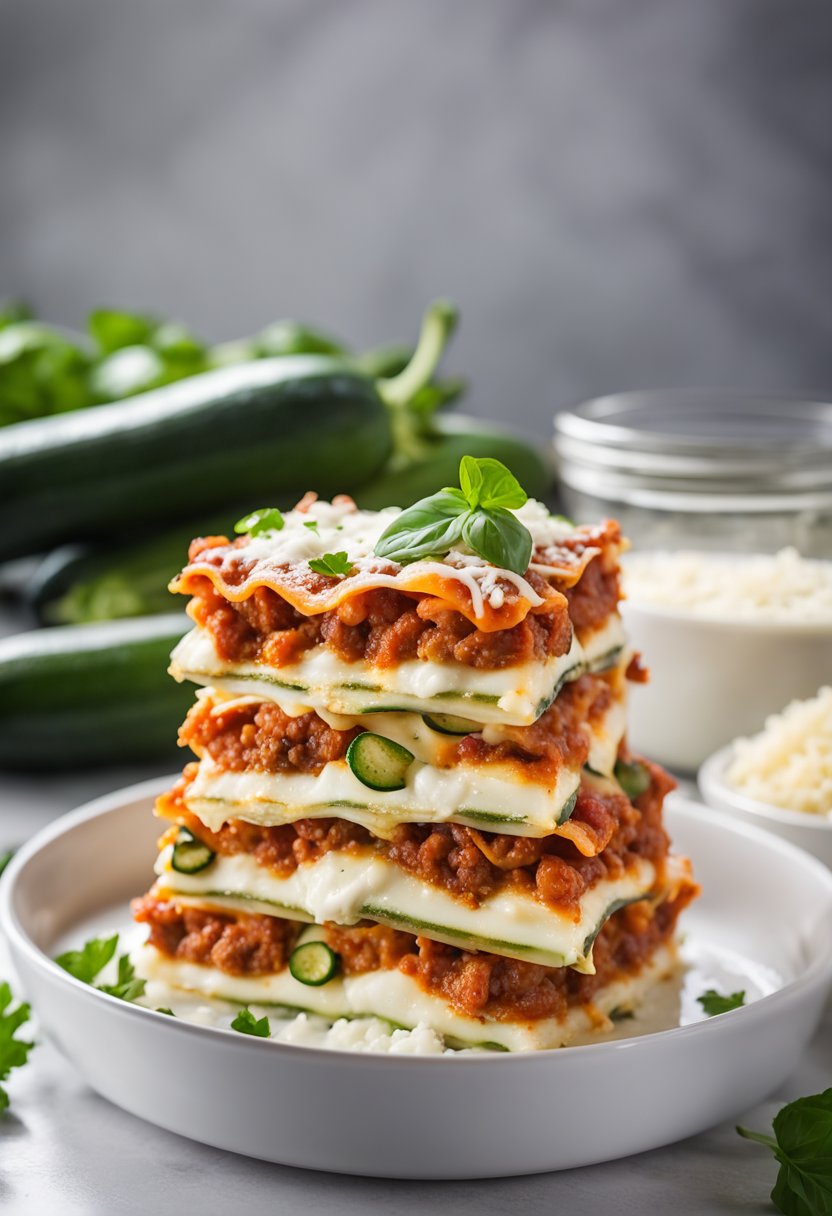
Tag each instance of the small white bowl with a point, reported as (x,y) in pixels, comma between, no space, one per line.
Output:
(810,832)
(713,680)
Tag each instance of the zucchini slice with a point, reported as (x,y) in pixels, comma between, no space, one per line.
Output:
(450,724)
(313,964)
(634,778)
(190,855)
(379,763)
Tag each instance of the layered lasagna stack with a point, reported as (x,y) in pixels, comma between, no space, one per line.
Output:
(412,797)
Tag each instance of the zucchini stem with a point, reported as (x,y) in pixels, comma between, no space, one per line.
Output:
(438,324)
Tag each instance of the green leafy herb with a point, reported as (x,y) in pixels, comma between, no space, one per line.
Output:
(802,1144)
(127,987)
(312,525)
(247,1023)
(164,1009)
(5,858)
(14,1052)
(633,778)
(332,564)
(264,519)
(112,330)
(477,515)
(86,963)
(714,1002)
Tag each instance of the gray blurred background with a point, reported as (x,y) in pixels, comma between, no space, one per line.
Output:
(618,193)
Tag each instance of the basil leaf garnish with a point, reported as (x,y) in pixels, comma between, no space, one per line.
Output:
(332,564)
(429,528)
(487,482)
(499,537)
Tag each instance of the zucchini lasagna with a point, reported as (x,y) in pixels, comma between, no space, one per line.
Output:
(411,796)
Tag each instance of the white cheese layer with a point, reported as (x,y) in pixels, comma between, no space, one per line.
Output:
(467,795)
(398,999)
(514,695)
(345,887)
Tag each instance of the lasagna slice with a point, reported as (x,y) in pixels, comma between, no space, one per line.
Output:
(453,636)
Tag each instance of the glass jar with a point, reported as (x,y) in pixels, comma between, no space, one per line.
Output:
(701,469)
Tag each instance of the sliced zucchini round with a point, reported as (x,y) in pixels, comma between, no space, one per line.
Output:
(634,778)
(379,763)
(313,964)
(450,724)
(189,854)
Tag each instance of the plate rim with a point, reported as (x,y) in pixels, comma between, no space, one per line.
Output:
(712,784)
(818,972)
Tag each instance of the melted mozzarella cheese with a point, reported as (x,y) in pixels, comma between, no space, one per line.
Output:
(320,680)
(348,886)
(398,999)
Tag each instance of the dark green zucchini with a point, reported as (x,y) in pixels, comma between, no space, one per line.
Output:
(91,694)
(429,462)
(264,430)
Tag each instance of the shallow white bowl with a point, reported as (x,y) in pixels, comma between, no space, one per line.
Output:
(810,832)
(429,1116)
(712,681)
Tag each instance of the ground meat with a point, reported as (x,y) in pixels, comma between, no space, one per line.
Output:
(382,627)
(237,945)
(262,737)
(470,865)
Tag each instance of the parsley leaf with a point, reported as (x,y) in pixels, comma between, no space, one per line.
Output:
(264,519)
(247,1023)
(478,515)
(332,564)
(312,525)
(164,1009)
(127,987)
(714,1002)
(802,1144)
(5,858)
(13,1052)
(86,963)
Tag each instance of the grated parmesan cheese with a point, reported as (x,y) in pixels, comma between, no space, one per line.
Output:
(784,587)
(789,764)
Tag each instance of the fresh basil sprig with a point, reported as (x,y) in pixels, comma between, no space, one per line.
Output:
(478,515)
(264,519)
(802,1144)
(333,564)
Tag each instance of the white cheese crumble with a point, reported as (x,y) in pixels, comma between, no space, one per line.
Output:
(784,587)
(789,763)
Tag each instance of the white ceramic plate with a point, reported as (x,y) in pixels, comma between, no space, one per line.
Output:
(766,911)
(810,832)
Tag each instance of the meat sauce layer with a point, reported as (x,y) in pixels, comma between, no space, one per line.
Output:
(383,627)
(261,737)
(469,864)
(474,983)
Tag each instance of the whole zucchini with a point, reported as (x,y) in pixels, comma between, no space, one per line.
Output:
(81,695)
(264,430)
(431,461)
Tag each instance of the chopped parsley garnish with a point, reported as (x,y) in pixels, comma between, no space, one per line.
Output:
(127,987)
(714,1002)
(5,858)
(332,564)
(14,1052)
(477,515)
(802,1144)
(164,1009)
(264,519)
(247,1023)
(312,525)
(87,963)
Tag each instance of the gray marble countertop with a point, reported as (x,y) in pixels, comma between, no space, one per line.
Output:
(65,1150)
